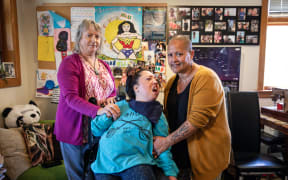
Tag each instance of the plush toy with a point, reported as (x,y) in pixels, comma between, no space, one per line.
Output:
(19,115)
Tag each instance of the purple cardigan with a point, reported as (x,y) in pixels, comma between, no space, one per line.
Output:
(72,104)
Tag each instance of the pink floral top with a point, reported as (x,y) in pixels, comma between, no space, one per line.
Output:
(98,86)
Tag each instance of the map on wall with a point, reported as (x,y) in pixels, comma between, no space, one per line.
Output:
(122,34)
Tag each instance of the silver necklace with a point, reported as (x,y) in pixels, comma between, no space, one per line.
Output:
(95,69)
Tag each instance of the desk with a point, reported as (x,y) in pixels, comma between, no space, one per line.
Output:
(278,120)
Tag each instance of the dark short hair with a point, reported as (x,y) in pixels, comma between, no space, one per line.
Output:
(132,28)
(132,80)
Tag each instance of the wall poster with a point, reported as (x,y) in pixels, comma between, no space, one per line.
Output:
(122,28)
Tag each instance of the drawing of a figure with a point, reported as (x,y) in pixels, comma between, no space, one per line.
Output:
(127,43)
(45,23)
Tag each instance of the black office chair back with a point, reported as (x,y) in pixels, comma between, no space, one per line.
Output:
(244,121)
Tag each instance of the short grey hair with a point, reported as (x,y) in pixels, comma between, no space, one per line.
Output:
(186,41)
(84,26)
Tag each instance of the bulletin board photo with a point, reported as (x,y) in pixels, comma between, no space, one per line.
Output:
(216,25)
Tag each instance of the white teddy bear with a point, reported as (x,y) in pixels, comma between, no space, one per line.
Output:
(19,115)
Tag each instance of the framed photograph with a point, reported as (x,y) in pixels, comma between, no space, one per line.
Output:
(229,39)
(218,14)
(240,37)
(252,39)
(231,25)
(201,25)
(207,12)
(195,36)
(184,12)
(186,25)
(149,57)
(241,13)
(208,26)
(195,25)
(243,25)
(172,14)
(229,11)
(9,69)
(254,25)
(195,13)
(218,37)
(220,25)
(253,11)
(207,39)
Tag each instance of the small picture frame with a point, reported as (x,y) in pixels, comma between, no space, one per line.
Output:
(240,37)
(243,25)
(195,13)
(172,14)
(208,26)
(229,11)
(241,14)
(231,25)
(195,25)
(254,25)
(208,12)
(186,25)
(195,36)
(252,39)
(229,39)
(9,69)
(253,12)
(184,12)
(218,14)
(220,25)
(207,39)
(218,37)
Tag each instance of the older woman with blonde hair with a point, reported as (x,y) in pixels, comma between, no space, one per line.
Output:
(82,76)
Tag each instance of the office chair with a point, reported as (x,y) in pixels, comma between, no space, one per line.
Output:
(244,120)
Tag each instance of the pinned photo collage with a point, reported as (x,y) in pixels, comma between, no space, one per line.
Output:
(154,55)
(216,25)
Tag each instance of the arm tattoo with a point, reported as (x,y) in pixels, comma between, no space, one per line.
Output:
(184,131)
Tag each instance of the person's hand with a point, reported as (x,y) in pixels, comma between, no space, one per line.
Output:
(172,178)
(111,110)
(160,144)
(110,100)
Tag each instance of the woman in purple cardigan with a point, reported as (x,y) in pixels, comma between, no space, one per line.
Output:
(80,77)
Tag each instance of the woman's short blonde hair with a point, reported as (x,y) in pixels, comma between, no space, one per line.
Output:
(84,26)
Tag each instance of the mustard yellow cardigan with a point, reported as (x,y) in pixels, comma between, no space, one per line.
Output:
(209,148)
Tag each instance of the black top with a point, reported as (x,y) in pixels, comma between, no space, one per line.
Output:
(177,113)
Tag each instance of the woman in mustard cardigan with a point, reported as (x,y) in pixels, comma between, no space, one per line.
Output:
(194,105)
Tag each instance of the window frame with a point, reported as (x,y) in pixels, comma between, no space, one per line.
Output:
(265,22)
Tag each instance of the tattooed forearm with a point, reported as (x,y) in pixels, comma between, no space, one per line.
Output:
(184,131)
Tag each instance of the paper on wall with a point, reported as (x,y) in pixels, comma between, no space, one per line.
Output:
(77,15)
(45,48)
(45,23)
